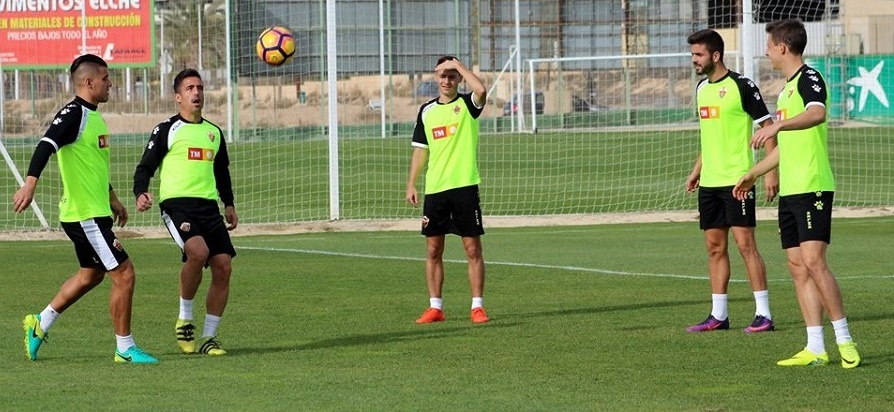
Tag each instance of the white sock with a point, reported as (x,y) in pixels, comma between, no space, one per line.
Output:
(185,309)
(477,303)
(124,342)
(815,342)
(436,303)
(762,303)
(47,318)
(842,333)
(211,323)
(718,306)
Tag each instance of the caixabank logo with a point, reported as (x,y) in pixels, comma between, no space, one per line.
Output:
(866,90)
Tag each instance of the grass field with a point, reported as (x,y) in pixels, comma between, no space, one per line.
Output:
(282,175)
(583,318)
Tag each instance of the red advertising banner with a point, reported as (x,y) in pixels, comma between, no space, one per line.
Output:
(38,34)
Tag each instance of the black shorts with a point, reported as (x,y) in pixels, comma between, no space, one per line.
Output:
(188,217)
(95,243)
(717,208)
(806,216)
(456,211)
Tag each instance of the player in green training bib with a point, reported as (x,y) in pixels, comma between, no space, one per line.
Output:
(806,192)
(728,107)
(446,136)
(194,162)
(88,209)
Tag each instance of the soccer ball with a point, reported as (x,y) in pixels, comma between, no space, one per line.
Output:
(275,45)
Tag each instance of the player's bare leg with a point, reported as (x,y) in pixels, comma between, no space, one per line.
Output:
(196,252)
(472,246)
(434,278)
(716,244)
(757,277)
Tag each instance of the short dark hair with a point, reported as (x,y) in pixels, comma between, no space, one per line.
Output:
(184,74)
(790,32)
(710,38)
(445,58)
(86,58)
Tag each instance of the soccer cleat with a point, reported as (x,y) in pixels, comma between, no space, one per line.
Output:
(134,354)
(711,323)
(479,316)
(850,358)
(431,315)
(212,347)
(760,324)
(185,340)
(34,336)
(806,358)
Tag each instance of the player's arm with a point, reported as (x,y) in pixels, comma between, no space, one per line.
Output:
(224,184)
(771,179)
(153,155)
(753,104)
(740,191)
(63,130)
(119,212)
(418,159)
(812,89)
(694,176)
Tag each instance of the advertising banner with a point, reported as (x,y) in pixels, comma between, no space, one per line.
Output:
(51,33)
(865,88)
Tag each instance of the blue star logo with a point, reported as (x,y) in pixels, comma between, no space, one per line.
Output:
(868,83)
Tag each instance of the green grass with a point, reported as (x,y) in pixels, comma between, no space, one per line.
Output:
(283,175)
(583,318)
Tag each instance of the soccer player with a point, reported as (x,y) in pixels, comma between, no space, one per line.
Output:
(192,155)
(88,209)
(728,106)
(446,135)
(806,192)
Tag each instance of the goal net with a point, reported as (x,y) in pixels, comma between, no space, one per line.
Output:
(590,105)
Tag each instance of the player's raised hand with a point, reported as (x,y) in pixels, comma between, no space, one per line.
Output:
(762,135)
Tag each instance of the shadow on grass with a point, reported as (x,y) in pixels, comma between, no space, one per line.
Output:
(431,332)
(622,308)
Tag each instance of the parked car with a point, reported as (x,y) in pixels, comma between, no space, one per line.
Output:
(512,106)
(426,90)
(581,105)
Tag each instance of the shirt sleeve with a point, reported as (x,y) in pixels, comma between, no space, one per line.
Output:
(812,88)
(419,137)
(222,174)
(475,111)
(153,155)
(63,130)
(752,101)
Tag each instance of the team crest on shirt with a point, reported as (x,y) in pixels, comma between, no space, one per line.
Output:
(103,141)
(211,136)
(722,92)
(185,226)
(117,245)
(456,109)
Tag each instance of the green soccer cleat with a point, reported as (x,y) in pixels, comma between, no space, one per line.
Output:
(134,354)
(850,358)
(806,358)
(34,336)
(212,347)
(185,331)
